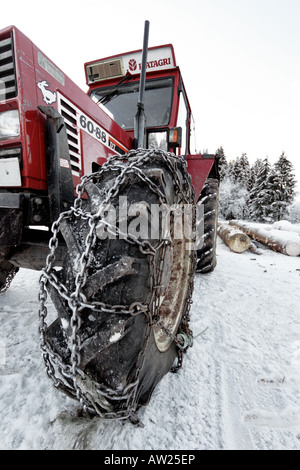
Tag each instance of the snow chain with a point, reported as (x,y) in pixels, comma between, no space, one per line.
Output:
(9,278)
(84,388)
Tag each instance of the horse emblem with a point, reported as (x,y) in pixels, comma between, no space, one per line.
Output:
(48,96)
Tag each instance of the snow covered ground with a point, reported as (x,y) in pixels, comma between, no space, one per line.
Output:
(239,387)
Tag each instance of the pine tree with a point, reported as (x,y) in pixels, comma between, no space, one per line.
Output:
(223,165)
(284,185)
(271,195)
(236,170)
(259,201)
(245,170)
(241,170)
(233,192)
(230,169)
(254,171)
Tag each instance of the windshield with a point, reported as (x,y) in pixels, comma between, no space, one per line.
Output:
(122,100)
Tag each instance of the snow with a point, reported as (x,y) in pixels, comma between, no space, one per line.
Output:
(239,387)
(286,226)
(115,337)
(282,225)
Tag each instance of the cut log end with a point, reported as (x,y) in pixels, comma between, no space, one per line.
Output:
(292,248)
(239,243)
(235,239)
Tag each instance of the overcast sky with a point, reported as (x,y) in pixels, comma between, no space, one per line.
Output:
(240,59)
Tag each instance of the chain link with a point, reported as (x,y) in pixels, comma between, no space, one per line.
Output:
(70,378)
(10,276)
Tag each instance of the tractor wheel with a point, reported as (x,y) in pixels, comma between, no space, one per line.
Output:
(134,276)
(7,273)
(209,199)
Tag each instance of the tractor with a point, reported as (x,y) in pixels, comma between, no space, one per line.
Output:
(103,192)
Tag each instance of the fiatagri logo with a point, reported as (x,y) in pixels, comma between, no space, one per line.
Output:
(133,65)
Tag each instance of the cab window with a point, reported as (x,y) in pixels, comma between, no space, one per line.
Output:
(121,101)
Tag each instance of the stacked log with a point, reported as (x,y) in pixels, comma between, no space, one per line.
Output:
(285,242)
(234,238)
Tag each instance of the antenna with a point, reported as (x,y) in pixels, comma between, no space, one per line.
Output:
(139,121)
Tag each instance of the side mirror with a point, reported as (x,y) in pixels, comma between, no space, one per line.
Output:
(158,140)
(175,137)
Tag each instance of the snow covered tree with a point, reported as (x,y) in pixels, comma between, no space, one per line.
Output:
(254,171)
(234,189)
(272,195)
(241,170)
(223,165)
(230,170)
(261,193)
(245,170)
(236,170)
(294,211)
(259,200)
(284,186)
(233,200)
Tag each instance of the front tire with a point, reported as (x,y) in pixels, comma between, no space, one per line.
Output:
(134,319)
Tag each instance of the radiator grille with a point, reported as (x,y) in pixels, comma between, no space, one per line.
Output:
(8,83)
(70,117)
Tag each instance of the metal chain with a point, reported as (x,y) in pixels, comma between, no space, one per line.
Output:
(123,166)
(10,276)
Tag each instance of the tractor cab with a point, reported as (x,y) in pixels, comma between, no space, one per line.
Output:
(114,84)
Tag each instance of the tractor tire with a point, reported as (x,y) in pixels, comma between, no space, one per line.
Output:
(206,253)
(141,287)
(7,273)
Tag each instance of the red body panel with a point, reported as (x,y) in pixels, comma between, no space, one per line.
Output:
(33,67)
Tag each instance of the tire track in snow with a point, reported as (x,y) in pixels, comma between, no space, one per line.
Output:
(233,433)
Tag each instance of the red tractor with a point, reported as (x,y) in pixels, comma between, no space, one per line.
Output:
(99,191)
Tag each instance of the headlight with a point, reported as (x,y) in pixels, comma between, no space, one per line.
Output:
(9,124)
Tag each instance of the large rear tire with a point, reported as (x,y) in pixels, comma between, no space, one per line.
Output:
(135,290)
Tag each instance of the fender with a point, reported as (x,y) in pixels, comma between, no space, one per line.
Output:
(59,173)
(200,168)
